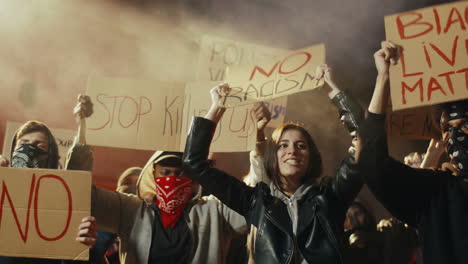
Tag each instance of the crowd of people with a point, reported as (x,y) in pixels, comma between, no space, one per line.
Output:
(179,208)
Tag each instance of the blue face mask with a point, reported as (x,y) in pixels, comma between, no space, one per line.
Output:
(29,156)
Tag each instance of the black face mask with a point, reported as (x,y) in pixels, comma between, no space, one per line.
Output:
(29,156)
(456,142)
(457,148)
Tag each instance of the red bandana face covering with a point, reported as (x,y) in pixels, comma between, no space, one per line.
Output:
(172,196)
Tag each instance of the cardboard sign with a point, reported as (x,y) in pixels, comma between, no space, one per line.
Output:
(152,115)
(277,109)
(414,123)
(40,211)
(236,131)
(136,114)
(63,137)
(217,53)
(433,67)
(288,74)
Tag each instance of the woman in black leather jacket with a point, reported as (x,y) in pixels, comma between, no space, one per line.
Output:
(298,217)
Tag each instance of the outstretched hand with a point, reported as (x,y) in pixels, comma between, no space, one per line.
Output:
(83,108)
(87,233)
(388,54)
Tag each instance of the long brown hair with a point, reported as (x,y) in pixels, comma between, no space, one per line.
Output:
(314,171)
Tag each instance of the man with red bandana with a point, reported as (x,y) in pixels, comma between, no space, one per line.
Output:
(167,221)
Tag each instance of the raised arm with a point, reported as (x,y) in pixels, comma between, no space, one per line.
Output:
(350,112)
(232,192)
(404,191)
(348,182)
(257,172)
(80,155)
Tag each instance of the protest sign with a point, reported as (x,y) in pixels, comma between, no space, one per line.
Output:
(40,211)
(413,123)
(287,74)
(136,114)
(152,115)
(277,109)
(63,137)
(236,131)
(218,53)
(433,66)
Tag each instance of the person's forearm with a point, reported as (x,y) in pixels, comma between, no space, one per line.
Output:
(215,113)
(379,100)
(260,135)
(81,133)
(333,90)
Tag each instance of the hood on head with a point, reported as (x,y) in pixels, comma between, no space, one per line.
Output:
(122,185)
(53,154)
(146,188)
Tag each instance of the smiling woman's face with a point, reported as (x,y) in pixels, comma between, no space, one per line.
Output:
(293,154)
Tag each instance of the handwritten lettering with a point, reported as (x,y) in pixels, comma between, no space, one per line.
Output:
(416,24)
(33,195)
(121,108)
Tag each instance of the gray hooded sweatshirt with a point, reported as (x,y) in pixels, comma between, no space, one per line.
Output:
(212,224)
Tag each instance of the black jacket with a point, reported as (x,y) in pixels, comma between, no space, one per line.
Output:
(433,201)
(321,211)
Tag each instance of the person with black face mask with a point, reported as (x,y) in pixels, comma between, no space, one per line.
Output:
(34,147)
(434,201)
(454,125)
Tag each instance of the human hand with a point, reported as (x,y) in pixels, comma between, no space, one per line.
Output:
(4,162)
(218,92)
(87,233)
(447,166)
(389,53)
(357,240)
(262,115)
(324,72)
(216,111)
(383,224)
(83,108)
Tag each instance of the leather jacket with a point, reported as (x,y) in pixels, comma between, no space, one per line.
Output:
(350,112)
(321,211)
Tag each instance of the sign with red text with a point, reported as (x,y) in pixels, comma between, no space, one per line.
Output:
(40,211)
(152,115)
(135,114)
(413,123)
(236,131)
(273,78)
(216,54)
(433,66)
(63,137)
